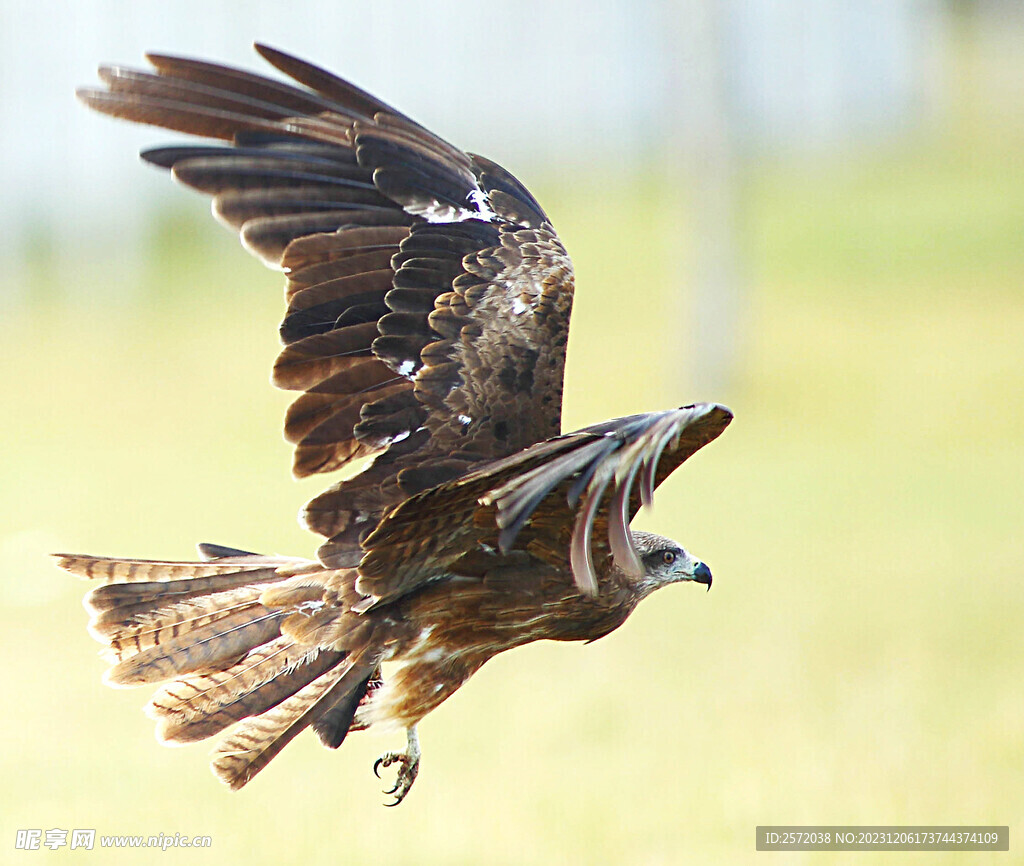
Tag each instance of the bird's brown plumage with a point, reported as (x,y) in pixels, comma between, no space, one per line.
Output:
(428,303)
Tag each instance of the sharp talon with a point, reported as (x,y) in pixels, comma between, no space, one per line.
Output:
(408,768)
(399,797)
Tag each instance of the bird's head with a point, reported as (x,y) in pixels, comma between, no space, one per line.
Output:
(664,561)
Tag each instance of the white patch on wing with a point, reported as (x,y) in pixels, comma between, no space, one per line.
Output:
(519,306)
(406,368)
(483,206)
(465,419)
(388,441)
(439,212)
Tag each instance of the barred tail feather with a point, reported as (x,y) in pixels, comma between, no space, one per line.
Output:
(255,742)
(131,596)
(213,646)
(110,569)
(133,628)
(194,708)
(161,619)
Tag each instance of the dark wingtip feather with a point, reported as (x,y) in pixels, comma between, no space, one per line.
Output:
(718,412)
(620,539)
(581,556)
(333,726)
(208,551)
(325,83)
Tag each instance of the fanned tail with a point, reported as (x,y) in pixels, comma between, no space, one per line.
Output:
(237,638)
(173,618)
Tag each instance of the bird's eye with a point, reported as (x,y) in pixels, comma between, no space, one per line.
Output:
(668,556)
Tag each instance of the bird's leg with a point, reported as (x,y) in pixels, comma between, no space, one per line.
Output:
(410,766)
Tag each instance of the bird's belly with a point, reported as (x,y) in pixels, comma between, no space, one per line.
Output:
(416,683)
(456,632)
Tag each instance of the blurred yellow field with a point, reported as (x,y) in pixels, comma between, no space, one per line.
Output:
(859,661)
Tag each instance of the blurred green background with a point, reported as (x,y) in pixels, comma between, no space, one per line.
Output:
(859,661)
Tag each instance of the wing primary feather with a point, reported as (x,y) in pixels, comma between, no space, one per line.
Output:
(620,539)
(608,444)
(581,557)
(241,82)
(509,533)
(325,83)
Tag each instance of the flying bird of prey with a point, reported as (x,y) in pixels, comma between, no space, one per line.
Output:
(428,302)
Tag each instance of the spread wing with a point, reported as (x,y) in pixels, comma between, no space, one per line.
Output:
(428,295)
(568,501)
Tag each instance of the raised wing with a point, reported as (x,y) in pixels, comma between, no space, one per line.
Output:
(428,295)
(569,501)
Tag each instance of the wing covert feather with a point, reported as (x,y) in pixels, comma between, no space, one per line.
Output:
(569,500)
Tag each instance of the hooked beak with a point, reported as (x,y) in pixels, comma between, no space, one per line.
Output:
(702,574)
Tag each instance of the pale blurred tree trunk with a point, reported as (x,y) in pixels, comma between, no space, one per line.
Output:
(703,183)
